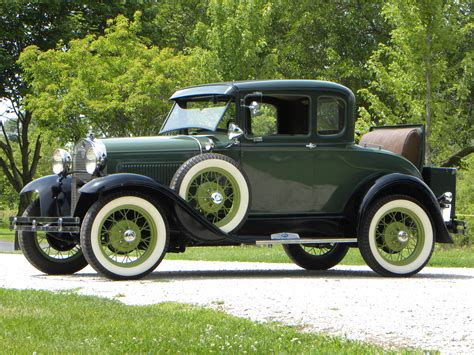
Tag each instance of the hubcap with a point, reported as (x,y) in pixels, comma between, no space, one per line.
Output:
(402,237)
(129,236)
(217,198)
(399,236)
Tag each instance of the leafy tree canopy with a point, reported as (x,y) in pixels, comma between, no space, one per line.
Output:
(424,73)
(118,82)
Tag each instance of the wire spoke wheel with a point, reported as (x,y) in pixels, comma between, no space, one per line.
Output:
(399,236)
(318,249)
(215,194)
(124,236)
(316,256)
(216,187)
(127,235)
(55,249)
(51,253)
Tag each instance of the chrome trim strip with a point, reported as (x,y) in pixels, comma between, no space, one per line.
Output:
(306,241)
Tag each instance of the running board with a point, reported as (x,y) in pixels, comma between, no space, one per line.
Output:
(306,241)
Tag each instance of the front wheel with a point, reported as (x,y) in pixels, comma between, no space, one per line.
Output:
(124,236)
(316,256)
(47,253)
(396,236)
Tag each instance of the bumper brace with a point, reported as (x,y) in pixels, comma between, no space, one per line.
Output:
(46,224)
(457,227)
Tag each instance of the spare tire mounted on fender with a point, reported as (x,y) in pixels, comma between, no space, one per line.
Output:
(216,187)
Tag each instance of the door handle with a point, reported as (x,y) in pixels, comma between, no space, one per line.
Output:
(311,145)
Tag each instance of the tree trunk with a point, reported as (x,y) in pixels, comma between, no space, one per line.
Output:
(455,159)
(19,174)
(428,94)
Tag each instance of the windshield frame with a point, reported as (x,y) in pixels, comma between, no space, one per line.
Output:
(196,98)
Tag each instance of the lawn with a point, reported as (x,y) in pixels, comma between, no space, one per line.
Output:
(444,256)
(44,322)
(6,235)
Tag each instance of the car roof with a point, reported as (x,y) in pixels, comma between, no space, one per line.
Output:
(230,88)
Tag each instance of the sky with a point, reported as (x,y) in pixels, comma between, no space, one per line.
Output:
(3,108)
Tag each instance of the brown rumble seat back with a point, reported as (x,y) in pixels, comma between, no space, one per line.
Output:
(403,141)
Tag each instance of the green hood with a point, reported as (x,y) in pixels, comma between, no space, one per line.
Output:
(131,145)
(157,157)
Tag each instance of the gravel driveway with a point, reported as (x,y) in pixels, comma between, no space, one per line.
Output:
(433,310)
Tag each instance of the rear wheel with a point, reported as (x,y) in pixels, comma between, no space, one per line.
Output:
(397,237)
(316,256)
(124,236)
(47,253)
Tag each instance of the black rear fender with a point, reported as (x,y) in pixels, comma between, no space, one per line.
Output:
(190,221)
(394,184)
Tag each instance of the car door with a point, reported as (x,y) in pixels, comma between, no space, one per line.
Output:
(277,154)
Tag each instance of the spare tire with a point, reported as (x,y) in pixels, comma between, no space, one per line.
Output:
(216,187)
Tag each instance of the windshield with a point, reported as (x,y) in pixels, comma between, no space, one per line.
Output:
(197,113)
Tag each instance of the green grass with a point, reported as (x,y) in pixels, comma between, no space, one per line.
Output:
(444,256)
(43,322)
(6,235)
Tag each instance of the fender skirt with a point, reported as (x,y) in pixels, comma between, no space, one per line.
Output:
(190,220)
(412,186)
(54,194)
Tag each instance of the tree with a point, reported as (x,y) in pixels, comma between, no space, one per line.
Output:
(330,40)
(118,83)
(238,33)
(44,24)
(424,73)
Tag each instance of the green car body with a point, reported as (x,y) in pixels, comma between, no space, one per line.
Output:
(307,181)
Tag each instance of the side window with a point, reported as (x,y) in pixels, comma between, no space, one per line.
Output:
(330,115)
(279,114)
(264,123)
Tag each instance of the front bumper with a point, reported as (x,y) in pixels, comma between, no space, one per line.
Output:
(46,224)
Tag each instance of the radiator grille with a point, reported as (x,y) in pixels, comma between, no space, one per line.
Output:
(159,171)
(79,176)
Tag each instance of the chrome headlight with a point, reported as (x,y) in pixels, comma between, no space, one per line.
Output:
(61,161)
(95,159)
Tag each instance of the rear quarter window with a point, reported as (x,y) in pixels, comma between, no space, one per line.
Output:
(330,115)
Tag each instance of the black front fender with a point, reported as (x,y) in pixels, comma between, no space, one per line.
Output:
(396,183)
(190,220)
(54,194)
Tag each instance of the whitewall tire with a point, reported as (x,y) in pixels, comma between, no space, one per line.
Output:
(397,236)
(124,236)
(216,187)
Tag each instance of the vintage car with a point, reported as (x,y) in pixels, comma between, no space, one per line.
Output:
(254,162)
